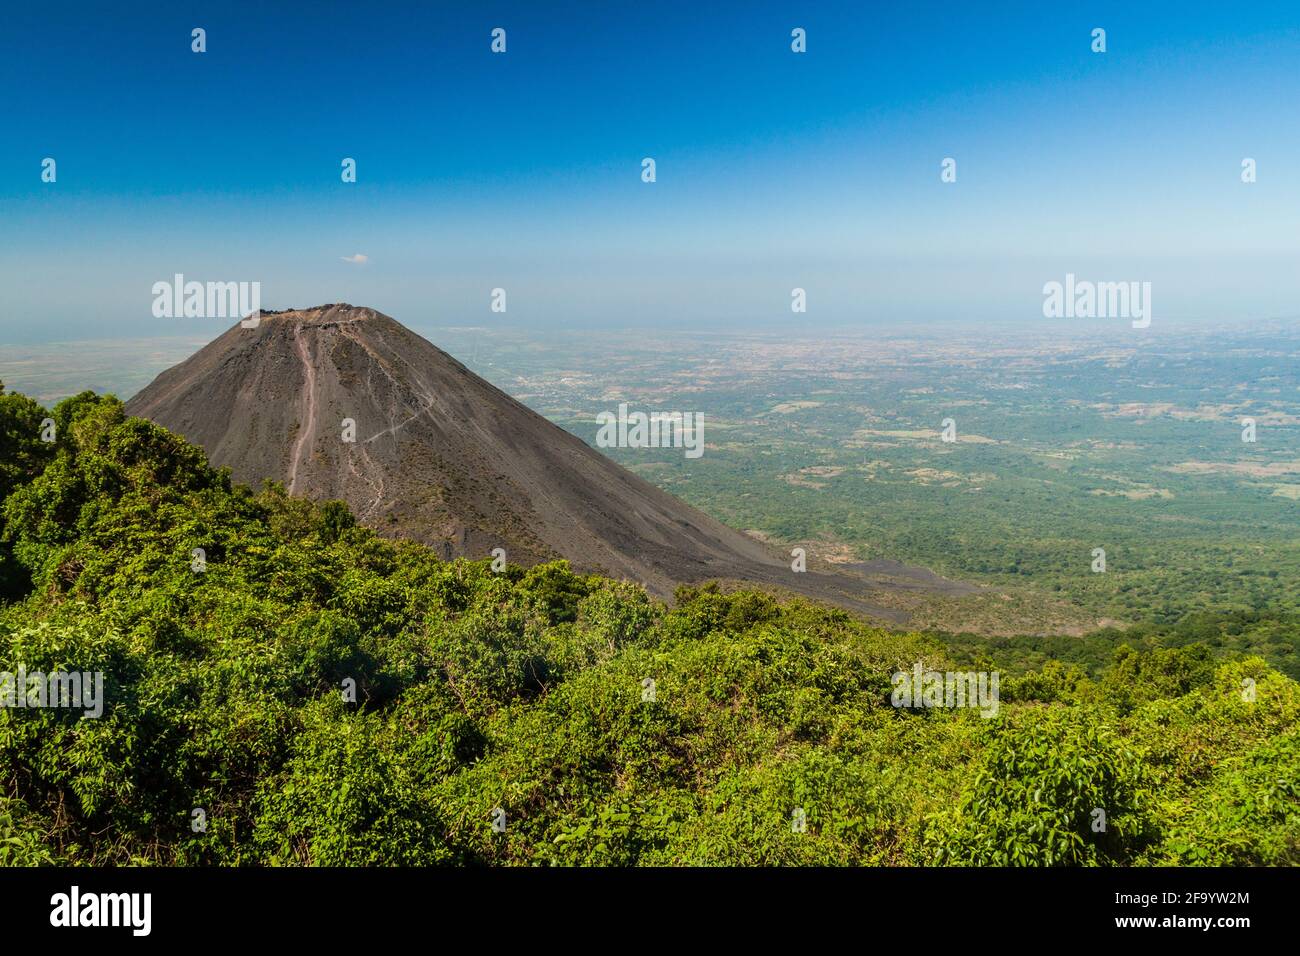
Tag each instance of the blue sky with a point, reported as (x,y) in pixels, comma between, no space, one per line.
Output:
(522,170)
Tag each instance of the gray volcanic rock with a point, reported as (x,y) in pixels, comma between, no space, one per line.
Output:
(445,458)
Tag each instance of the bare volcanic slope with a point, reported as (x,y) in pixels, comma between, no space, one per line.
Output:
(443,457)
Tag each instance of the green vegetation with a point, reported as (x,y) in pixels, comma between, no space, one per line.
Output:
(1272,635)
(525,691)
(1067,440)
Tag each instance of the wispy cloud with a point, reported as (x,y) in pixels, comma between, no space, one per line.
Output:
(359,258)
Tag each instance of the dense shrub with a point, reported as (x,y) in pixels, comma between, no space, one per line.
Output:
(1053,788)
(317,695)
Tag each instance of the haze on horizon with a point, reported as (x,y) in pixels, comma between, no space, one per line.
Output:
(522,170)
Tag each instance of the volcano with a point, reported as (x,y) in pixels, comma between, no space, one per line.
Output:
(343,402)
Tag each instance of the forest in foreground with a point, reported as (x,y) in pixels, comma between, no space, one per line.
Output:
(307,692)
